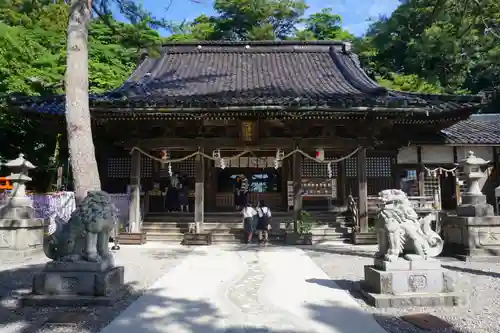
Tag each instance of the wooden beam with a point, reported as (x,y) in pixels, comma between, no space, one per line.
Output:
(232,143)
(421,172)
(199,191)
(363,191)
(342,183)
(135,187)
(297,189)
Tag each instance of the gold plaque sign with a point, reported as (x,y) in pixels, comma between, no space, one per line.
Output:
(247,131)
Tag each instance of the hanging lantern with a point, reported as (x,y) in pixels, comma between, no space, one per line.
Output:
(320,154)
(216,154)
(222,164)
(164,158)
(330,171)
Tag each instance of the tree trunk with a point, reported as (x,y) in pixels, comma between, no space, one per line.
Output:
(80,143)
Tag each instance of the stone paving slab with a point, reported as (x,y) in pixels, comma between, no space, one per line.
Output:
(238,290)
(295,284)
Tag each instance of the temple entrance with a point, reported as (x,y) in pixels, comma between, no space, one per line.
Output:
(261,179)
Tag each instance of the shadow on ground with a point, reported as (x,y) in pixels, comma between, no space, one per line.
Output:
(339,250)
(472,271)
(193,316)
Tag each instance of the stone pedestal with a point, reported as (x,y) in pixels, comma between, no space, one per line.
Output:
(404,283)
(21,236)
(81,283)
(474,232)
(474,205)
(472,238)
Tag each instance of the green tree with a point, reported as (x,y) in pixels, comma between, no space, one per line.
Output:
(32,61)
(324,25)
(256,19)
(442,41)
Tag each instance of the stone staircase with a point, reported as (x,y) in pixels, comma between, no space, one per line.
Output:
(226,228)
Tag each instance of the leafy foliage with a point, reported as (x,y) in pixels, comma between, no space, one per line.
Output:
(432,46)
(445,42)
(32,62)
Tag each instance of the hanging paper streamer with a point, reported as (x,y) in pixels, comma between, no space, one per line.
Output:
(280,155)
(440,171)
(330,171)
(170,173)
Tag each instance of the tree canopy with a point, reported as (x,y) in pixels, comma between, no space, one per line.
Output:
(432,46)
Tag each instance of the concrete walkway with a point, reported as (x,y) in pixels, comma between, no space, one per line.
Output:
(254,290)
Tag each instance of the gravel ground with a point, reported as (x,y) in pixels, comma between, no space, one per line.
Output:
(479,281)
(143,266)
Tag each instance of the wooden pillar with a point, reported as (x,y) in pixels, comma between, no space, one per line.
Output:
(363,191)
(135,193)
(199,191)
(341,183)
(420,173)
(297,188)
(102,163)
(285,170)
(457,178)
(395,173)
(210,186)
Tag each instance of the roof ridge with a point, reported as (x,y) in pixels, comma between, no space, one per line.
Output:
(256,43)
(354,74)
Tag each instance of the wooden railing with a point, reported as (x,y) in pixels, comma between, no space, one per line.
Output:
(352,207)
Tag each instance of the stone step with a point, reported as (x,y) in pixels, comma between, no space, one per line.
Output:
(324,218)
(232,228)
(237,237)
(218,238)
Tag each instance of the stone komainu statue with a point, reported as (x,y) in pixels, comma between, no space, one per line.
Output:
(85,236)
(401,231)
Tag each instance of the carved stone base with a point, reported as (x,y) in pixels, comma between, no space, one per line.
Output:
(132,238)
(409,283)
(292,238)
(424,300)
(8,256)
(201,238)
(20,239)
(472,238)
(364,238)
(51,287)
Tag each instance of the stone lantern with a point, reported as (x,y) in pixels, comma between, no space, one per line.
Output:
(474,232)
(19,177)
(20,231)
(18,205)
(474,201)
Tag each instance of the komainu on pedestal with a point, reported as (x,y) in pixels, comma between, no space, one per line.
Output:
(82,270)
(400,231)
(405,271)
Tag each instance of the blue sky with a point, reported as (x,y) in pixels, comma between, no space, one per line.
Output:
(355,13)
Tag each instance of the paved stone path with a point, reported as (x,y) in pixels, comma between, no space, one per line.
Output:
(253,290)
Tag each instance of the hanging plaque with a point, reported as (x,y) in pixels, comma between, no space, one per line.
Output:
(248,131)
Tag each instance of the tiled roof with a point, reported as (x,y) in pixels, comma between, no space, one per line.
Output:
(287,73)
(476,130)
